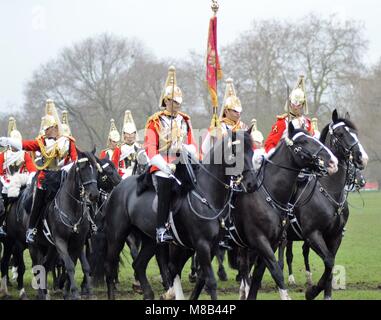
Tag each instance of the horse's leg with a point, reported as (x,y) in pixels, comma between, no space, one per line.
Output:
(37,261)
(207,274)
(19,261)
(221,270)
(333,246)
(244,269)
(8,249)
(290,258)
(62,249)
(267,253)
(114,248)
(281,249)
(178,257)
(256,279)
(193,274)
(306,252)
(146,253)
(318,244)
(86,283)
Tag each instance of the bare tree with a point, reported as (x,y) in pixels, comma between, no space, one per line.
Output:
(329,52)
(96,80)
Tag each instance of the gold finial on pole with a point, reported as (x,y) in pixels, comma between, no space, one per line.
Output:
(215,6)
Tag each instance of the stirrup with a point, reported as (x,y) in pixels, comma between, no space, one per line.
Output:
(30,234)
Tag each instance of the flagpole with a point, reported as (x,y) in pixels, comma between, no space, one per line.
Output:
(215,126)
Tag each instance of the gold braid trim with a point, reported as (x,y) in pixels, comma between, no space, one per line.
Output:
(49,157)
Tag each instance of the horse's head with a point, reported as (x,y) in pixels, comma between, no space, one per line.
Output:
(242,151)
(310,153)
(108,176)
(341,137)
(86,169)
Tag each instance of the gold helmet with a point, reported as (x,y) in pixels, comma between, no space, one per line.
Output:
(113,134)
(51,118)
(66,131)
(256,135)
(12,130)
(298,95)
(129,123)
(231,101)
(171,90)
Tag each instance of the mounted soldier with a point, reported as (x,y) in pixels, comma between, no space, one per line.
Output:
(113,151)
(297,110)
(57,151)
(230,114)
(16,171)
(131,152)
(167,133)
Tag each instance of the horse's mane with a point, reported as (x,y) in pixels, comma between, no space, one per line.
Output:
(348,123)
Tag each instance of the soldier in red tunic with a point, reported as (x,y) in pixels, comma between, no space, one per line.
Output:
(167,132)
(297,109)
(56,151)
(16,170)
(113,150)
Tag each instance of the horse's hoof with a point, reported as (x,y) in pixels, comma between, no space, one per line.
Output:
(192,278)
(137,288)
(327,298)
(291,280)
(311,293)
(149,296)
(222,275)
(5,296)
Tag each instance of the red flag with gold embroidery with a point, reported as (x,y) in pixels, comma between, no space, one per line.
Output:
(213,68)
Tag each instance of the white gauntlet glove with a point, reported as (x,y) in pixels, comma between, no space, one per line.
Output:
(14,143)
(163,166)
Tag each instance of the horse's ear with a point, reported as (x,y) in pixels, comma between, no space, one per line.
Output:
(347,116)
(335,116)
(94,150)
(291,130)
(78,151)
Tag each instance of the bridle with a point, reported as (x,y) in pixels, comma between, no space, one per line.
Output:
(337,142)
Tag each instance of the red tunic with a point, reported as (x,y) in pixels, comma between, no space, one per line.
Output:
(27,166)
(151,138)
(278,129)
(115,156)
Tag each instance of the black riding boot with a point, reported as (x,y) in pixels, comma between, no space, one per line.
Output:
(37,206)
(164,190)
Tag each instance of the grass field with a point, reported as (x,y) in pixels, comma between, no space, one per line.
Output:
(359,257)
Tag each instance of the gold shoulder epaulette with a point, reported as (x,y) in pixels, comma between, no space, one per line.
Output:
(184,115)
(283,116)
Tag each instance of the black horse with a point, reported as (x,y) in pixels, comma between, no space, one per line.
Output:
(66,223)
(260,218)
(14,243)
(194,220)
(108,179)
(322,217)
(356,182)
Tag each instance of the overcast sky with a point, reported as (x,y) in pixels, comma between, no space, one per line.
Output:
(34,31)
